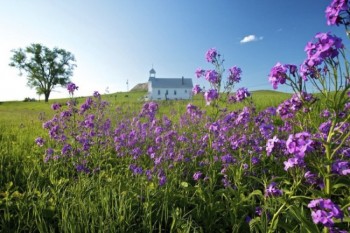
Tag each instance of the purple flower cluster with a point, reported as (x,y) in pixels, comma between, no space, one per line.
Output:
(55,106)
(215,79)
(211,55)
(326,46)
(288,108)
(335,10)
(196,89)
(39,141)
(211,95)
(235,74)
(313,179)
(278,75)
(241,143)
(241,94)
(197,175)
(149,109)
(71,87)
(341,167)
(298,145)
(212,76)
(76,132)
(272,190)
(323,211)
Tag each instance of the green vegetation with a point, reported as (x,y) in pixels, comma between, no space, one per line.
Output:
(40,197)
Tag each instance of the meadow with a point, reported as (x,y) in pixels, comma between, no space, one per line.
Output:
(36,196)
(148,167)
(229,160)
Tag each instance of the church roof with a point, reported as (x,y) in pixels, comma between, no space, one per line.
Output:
(171,83)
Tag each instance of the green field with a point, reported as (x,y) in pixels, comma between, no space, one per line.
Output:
(153,170)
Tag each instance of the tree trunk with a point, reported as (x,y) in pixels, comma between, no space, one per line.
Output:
(47,96)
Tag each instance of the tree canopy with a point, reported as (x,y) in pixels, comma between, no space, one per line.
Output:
(45,68)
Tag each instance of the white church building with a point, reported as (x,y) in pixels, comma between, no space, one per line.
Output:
(168,88)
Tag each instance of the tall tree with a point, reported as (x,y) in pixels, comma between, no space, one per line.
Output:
(45,68)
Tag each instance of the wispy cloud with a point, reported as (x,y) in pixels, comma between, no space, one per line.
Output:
(251,38)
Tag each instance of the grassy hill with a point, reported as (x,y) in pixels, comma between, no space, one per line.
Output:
(19,112)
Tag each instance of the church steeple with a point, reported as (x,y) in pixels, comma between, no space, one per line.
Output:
(152,73)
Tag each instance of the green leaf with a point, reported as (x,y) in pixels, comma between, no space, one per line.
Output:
(307,225)
(184,184)
(256,192)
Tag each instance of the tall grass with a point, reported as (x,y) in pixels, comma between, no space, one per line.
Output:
(40,197)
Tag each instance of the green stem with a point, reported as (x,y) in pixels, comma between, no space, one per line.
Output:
(275,216)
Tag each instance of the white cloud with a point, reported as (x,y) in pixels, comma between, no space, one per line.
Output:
(251,38)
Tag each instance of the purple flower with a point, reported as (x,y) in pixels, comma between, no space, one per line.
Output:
(162,180)
(336,230)
(235,74)
(266,130)
(39,141)
(271,190)
(241,94)
(258,211)
(271,144)
(197,175)
(49,152)
(71,87)
(199,72)
(135,169)
(211,95)
(313,179)
(326,46)
(299,144)
(341,167)
(325,113)
(323,211)
(66,149)
(291,162)
(96,94)
(292,69)
(196,89)
(226,182)
(55,106)
(255,160)
(227,159)
(211,54)
(334,10)
(82,167)
(212,76)
(325,127)
(278,75)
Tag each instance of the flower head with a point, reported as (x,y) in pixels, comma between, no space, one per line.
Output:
(55,106)
(323,211)
(199,72)
(197,175)
(235,74)
(325,46)
(278,75)
(71,87)
(212,76)
(241,94)
(271,190)
(211,95)
(341,168)
(211,55)
(334,11)
(299,144)
(39,141)
(196,89)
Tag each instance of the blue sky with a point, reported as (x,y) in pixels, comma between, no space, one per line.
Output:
(114,41)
